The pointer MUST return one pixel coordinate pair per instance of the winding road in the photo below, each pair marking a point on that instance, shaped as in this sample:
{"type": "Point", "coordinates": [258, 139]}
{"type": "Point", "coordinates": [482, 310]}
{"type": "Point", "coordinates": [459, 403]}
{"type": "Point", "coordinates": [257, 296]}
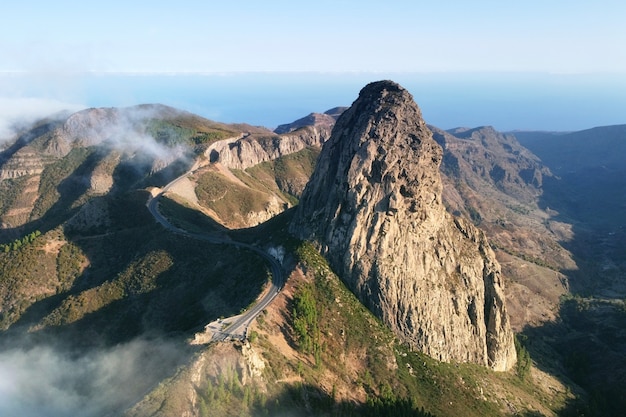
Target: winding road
{"type": "Point", "coordinates": [235, 327]}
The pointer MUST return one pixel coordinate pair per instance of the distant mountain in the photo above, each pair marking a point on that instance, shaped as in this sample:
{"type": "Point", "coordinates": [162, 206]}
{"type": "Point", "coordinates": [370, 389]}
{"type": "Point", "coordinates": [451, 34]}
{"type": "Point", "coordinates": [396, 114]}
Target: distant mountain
{"type": "Point", "coordinates": [572, 151]}
{"type": "Point", "coordinates": [95, 293]}
{"type": "Point", "coordinates": [492, 179]}
{"type": "Point", "coordinates": [588, 192]}
{"type": "Point", "coordinates": [326, 119]}
{"type": "Point", "coordinates": [590, 188]}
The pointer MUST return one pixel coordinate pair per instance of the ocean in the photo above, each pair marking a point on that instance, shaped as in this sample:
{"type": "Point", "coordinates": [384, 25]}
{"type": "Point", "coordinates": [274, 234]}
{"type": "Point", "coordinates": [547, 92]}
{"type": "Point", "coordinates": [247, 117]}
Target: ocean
{"type": "Point", "coordinates": [507, 101]}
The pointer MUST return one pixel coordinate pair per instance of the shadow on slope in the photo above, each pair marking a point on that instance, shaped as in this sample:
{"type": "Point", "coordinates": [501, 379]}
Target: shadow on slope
{"type": "Point", "coordinates": [585, 349]}
{"type": "Point", "coordinates": [125, 319]}
{"type": "Point", "coordinates": [142, 279]}
{"type": "Point", "coordinates": [588, 343]}
{"type": "Point", "coordinates": [299, 400]}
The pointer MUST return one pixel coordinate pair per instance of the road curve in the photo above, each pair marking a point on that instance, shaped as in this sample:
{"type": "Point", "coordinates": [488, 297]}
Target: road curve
{"type": "Point", "coordinates": [234, 327]}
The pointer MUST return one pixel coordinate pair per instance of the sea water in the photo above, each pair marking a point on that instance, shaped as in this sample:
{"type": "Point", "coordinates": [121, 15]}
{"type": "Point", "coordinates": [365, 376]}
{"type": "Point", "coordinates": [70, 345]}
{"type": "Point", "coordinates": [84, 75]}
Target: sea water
{"type": "Point", "coordinates": [507, 101]}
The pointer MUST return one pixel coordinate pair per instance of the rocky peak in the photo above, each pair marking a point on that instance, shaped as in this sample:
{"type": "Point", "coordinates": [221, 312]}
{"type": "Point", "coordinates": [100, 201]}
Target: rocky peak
{"type": "Point", "coordinates": [313, 119]}
{"type": "Point", "coordinates": [374, 207]}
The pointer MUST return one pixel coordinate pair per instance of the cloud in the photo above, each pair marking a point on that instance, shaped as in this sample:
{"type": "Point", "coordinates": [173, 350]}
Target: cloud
{"type": "Point", "coordinates": [44, 381]}
{"type": "Point", "coordinates": [123, 129]}
{"type": "Point", "coordinates": [127, 131]}
{"type": "Point", "coordinates": [17, 113]}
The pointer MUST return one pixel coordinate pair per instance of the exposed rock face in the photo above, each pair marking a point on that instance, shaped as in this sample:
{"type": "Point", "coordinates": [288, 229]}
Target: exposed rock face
{"type": "Point", "coordinates": [490, 177]}
{"type": "Point", "coordinates": [313, 119]}
{"type": "Point", "coordinates": [374, 206]}
{"type": "Point", "coordinates": [249, 151]}
{"type": "Point", "coordinates": [483, 154]}
{"type": "Point", "coordinates": [326, 120]}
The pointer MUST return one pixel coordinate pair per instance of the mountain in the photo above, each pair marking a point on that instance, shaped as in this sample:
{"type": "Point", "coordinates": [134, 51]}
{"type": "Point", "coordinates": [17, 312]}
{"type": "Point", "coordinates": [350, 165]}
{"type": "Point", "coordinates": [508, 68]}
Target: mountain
{"type": "Point", "coordinates": [589, 166]}
{"type": "Point", "coordinates": [95, 152]}
{"type": "Point", "coordinates": [571, 151]}
{"type": "Point", "coordinates": [103, 310]}
{"type": "Point", "coordinates": [492, 179]}
{"type": "Point", "coordinates": [326, 119]}
{"type": "Point", "coordinates": [374, 207]}
{"type": "Point", "coordinates": [588, 193]}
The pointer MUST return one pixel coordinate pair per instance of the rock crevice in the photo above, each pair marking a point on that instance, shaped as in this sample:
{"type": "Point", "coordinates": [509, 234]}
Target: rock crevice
{"type": "Point", "coordinates": [374, 207]}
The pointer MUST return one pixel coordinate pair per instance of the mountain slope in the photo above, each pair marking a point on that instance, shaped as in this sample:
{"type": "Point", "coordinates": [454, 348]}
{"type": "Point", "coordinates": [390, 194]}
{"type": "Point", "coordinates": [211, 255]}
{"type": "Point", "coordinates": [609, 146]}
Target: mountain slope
{"type": "Point", "coordinates": [104, 299]}
{"type": "Point", "coordinates": [374, 206]}
{"type": "Point", "coordinates": [499, 184]}
{"type": "Point", "coordinates": [342, 362]}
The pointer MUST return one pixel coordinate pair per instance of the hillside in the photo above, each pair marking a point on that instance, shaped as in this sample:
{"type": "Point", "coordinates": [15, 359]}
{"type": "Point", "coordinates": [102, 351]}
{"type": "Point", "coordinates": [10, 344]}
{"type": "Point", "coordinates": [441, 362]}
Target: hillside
{"type": "Point", "coordinates": [89, 277]}
{"type": "Point", "coordinates": [317, 350]}
{"type": "Point", "coordinates": [588, 193]}
{"type": "Point", "coordinates": [497, 183]}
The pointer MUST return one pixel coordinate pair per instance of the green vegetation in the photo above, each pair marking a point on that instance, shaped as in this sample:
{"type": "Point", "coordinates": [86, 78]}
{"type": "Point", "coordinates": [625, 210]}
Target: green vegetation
{"type": "Point", "coordinates": [28, 275]}
{"type": "Point", "coordinates": [474, 215]}
{"type": "Point", "coordinates": [524, 363]}
{"type": "Point", "coordinates": [140, 277]}
{"type": "Point", "coordinates": [288, 174]}
{"type": "Point", "coordinates": [228, 396]}
{"type": "Point", "coordinates": [294, 165]}
{"type": "Point", "coordinates": [528, 258]}
{"type": "Point", "coordinates": [396, 381]}
{"type": "Point", "coordinates": [54, 182]}
{"type": "Point", "coordinates": [520, 209]}
{"type": "Point", "coordinates": [339, 340]}
{"type": "Point", "coordinates": [18, 243]}
{"type": "Point", "coordinates": [70, 260]}
{"type": "Point", "coordinates": [172, 133]}
{"type": "Point", "coordinates": [229, 200]}
{"type": "Point", "coordinates": [305, 321]}
{"type": "Point", "coordinates": [170, 284]}
{"type": "Point", "coordinates": [135, 278]}
{"type": "Point", "coordinates": [10, 190]}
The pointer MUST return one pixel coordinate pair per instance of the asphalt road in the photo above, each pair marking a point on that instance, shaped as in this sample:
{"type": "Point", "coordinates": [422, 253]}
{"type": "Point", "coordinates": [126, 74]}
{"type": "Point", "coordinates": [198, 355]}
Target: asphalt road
{"type": "Point", "coordinates": [237, 326]}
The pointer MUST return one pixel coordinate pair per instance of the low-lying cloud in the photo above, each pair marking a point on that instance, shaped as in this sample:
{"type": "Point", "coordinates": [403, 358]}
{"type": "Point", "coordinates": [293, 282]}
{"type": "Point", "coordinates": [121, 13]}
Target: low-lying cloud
{"type": "Point", "coordinates": [125, 130]}
{"type": "Point", "coordinates": [43, 381]}
{"type": "Point", "coordinates": [19, 113]}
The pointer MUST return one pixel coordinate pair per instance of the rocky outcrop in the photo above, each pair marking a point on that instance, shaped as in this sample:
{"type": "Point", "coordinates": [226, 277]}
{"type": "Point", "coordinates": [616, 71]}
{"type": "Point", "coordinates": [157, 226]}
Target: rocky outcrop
{"type": "Point", "coordinates": [252, 150]}
{"type": "Point", "coordinates": [326, 120]}
{"type": "Point", "coordinates": [486, 155]}
{"type": "Point", "coordinates": [23, 162]}
{"type": "Point", "coordinates": [374, 207]}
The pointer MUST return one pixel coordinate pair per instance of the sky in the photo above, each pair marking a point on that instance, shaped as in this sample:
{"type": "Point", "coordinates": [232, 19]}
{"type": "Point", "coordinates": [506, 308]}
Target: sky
{"type": "Point", "coordinates": [552, 41]}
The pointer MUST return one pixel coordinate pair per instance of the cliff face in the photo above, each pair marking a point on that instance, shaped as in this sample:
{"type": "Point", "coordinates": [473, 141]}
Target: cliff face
{"type": "Point", "coordinates": [492, 158]}
{"type": "Point", "coordinates": [374, 206]}
{"type": "Point", "coordinates": [249, 151]}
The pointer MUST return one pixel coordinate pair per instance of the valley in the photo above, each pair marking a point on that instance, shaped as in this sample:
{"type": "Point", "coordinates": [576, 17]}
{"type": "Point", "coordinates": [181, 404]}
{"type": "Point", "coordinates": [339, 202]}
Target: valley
{"type": "Point", "coordinates": [153, 222]}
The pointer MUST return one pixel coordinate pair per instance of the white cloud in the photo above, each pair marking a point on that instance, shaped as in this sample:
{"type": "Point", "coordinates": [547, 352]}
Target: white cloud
{"type": "Point", "coordinates": [43, 381]}
{"type": "Point", "coordinates": [18, 113]}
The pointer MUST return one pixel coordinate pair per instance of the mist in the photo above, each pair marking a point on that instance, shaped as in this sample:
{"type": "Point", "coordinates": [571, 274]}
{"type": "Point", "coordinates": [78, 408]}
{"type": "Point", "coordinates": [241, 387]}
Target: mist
{"type": "Point", "coordinates": [17, 114]}
{"type": "Point", "coordinates": [122, 129]}
{"type": "Point", "coordinates": [44, 381]}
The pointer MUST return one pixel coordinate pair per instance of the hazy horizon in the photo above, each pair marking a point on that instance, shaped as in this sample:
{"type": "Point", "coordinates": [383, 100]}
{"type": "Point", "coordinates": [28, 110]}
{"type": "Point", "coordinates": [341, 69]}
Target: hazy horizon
{"type": "Point", "coordinates": [507, 101]}
{"type": "Point", "coordinates": [536, 65]}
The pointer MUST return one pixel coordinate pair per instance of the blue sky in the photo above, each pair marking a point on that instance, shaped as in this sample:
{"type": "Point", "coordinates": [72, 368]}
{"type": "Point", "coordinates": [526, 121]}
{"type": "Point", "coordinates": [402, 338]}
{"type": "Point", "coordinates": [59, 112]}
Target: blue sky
{"type": "Point", "coordinates": [552, 36]}
{"type": "Point", "coordinates": [547, 64]}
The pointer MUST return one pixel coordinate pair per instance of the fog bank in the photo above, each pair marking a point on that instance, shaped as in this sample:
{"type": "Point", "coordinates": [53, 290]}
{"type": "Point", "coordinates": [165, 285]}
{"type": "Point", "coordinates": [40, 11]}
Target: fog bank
{"type": "Point", "coordinates": [43, 381]}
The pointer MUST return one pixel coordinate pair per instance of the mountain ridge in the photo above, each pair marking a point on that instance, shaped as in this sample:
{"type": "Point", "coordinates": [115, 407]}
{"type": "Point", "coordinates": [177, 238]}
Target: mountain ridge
{"type": "Point", "coordinates": [102, 273]}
